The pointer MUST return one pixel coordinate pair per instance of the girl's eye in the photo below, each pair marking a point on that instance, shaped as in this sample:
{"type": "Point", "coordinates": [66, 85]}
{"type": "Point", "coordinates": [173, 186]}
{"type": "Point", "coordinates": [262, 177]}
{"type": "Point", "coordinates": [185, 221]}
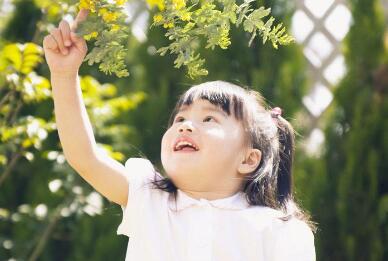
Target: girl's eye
{"type": "Point", "coordinates": [208, 118]}
{"type": "Point", "coordinates": [179, 119]}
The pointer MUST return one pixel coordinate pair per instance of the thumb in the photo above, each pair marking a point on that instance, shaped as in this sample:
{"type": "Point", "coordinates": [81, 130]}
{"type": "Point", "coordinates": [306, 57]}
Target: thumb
{"type": "Point", "coordinates": [79, 42]}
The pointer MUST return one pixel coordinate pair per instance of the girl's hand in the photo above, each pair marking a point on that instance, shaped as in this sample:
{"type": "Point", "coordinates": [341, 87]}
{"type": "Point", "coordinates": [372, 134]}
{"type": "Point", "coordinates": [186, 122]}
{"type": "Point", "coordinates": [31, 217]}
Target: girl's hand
{"type": "Point", "coordinates": [63, 49]}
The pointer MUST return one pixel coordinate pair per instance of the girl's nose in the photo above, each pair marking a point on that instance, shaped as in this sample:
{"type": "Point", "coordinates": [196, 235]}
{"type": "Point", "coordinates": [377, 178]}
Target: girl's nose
{"type": "Point", "coordinates": [186, 126]}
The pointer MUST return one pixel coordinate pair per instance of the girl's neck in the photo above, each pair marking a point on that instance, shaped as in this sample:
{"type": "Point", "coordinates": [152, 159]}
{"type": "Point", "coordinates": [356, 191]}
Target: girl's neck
{"type": "Point", "coordinates": [209, 195]}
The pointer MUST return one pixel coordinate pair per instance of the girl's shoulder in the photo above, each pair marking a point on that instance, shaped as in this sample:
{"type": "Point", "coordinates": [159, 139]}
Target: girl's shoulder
{"type": "Point", "coordinates": [275, 221]}
{"type": "Point", "coordinates": [140, 163]}
{"type": "Point", "coordinates": [294, 227]}
{"type": "Point", "coordinates": [285, 239]}
{"type": "Point", "coordinates": [261, 218]}
{"type": "Point", "coordinates": [263, 212]}
{"type": "Point", "coordinates": [292, 239]}
{"type": "Point", "coordinates": [140, 171]}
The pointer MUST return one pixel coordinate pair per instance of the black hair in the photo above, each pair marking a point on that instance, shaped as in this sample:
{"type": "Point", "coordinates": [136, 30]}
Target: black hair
{"type": "Point", "coordinates": [271, 183]}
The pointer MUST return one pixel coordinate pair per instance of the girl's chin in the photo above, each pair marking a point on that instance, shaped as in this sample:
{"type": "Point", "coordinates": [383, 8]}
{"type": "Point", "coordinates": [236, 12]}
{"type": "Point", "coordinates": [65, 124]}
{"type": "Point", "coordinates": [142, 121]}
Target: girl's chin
{"type": "Point", "coordinates": [179, 168]}
{"type": "Point", "coordinates": [185, 158]}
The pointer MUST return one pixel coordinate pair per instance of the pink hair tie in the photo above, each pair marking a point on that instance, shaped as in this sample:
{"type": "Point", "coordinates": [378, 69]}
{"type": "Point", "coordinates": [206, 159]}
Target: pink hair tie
{"type": "Point", "coordinates": [276, 112]}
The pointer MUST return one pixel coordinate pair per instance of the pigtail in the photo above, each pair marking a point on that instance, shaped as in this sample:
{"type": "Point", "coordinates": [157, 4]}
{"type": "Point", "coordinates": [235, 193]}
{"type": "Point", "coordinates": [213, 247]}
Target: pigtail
{"type": "Point", "coordinates": [286, 137]}
{"type": "Point", "coordinates": [286, 201]}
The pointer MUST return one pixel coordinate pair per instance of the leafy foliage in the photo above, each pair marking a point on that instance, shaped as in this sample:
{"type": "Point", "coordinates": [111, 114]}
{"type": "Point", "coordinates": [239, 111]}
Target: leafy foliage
{"type": "Point", "coordinates": [107, 25]}
{"type": "Point", "coordinates": [188, 24]}
{"type": "Point", "coordinates": [24, 136]}
{"type": "Point", "coordinates": [211, 21]}
{"type": "Point", "coordinates": [22, 86]}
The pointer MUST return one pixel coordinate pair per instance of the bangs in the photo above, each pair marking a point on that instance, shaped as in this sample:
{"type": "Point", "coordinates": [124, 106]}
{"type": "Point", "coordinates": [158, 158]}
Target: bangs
{"type": "Point", "coordinates": [226, 96]}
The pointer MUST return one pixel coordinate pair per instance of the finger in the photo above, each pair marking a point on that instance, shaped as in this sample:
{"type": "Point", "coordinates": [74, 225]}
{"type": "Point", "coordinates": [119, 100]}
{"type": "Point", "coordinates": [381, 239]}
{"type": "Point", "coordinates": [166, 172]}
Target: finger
{"type": "Point", "coordinates": [56, 33]}
{"type": "Point", "coordinates": [50, 43]}
{"type": "Point", "coordinates": [81, 16]}
{"type": "Point", "coordinates": [65, 31]}
{"type": "Point", "coordinates": [79, 42]}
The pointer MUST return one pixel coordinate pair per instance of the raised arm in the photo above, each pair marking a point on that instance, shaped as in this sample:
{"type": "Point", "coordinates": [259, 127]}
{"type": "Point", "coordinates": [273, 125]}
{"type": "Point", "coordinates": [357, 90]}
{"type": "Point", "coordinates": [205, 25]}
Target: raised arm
{"type": "Point", "coordinates": [64, 52]}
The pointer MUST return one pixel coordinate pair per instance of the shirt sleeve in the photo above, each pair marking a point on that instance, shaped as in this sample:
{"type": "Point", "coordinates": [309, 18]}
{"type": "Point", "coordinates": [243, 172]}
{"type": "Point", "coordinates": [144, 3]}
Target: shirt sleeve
{"type": "Point", "coordinates": [140, 172]}
{"type": "Point", "coordinates": [293, 240]}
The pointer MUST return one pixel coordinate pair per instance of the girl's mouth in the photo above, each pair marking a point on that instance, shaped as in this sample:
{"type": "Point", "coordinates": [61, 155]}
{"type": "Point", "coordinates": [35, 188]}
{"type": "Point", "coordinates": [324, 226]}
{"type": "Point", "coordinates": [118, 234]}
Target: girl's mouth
{"type": "Point", "coordinates": [185, 145]}
{"type": "Point", "coordinates": [186, 149]}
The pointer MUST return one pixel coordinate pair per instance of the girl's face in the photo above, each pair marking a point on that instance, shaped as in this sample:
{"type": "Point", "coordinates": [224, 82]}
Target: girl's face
{"type": "Point", "coordinates": [203, 148]}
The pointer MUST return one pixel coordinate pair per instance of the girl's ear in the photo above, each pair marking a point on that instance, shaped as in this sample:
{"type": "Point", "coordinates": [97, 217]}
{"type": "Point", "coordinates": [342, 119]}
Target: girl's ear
{"type": "Point", "coordinates": [250, 162]}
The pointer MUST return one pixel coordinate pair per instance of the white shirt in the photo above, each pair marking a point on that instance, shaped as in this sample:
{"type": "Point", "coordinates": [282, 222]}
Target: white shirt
{"type": "Point", "coordinates": [225, 229]}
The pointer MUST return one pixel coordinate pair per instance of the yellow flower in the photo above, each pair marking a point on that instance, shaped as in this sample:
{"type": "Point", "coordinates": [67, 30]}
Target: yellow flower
{"type": "Point", "coordinates": [115, 27]}
{"type": "Point", "coordinates": [178, 4]}
{"type": "Point", "coordinates": [120, 2]}
{"type": "Point", "coordinates": [158, 3]}
{"type": "Point", "coordinates": [225, 40]}
{"type": "Point", "coordinates": [186, 16]}
{"type": "Point", "coordinates": [102, 11]}
{"type": "Point", "coordinates": [88, 4]}
{"type": "Point", "coordinates": [168, 25]}
{"type": "Point", "coordinates": [158, 18]}
{"type": "Point", "coordinates": [107, 16]}
{"type": "Point", "coordinates": [90, 36]}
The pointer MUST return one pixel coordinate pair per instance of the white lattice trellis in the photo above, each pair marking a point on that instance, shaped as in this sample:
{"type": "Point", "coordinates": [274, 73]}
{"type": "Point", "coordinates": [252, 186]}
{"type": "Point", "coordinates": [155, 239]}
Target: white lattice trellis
{"type": "Point", "coordinates": [320, 26]}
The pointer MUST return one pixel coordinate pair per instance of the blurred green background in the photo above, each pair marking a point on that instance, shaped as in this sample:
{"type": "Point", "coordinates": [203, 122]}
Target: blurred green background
{"type": "Point", "coordinates": [47, 212]}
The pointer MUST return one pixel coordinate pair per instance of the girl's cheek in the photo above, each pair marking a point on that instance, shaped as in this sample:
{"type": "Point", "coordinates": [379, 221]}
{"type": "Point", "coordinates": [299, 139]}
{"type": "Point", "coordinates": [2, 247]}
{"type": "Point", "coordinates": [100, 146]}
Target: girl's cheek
{"type": "Point", "coordinates": [167, 138]}
{"type": "Point", "coordinates": [216, 133]}
{"type": "Point", "coordinates": [164, 140]}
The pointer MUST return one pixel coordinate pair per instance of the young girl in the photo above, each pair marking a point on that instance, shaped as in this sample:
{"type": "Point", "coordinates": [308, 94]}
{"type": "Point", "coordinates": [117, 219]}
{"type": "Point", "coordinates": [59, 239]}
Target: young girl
{"type": "Point", "coordinates": [227, 194]}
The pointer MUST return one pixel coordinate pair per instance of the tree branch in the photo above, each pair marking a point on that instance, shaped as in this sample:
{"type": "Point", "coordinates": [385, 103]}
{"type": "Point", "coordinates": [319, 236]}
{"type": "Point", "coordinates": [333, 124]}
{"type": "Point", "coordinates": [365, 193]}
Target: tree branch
{"type": "Point", "coordinates": [9, 168]}
{"type": "Point", "coordinates": [49, 230]}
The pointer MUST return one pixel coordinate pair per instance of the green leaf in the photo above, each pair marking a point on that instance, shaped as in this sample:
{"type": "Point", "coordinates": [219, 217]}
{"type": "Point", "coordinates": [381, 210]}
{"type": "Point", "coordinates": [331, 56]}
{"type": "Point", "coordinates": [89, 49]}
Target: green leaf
{"type": "Point", "coordinates": [249, 26]}
{"type": "Point", "coordinates": [258, 14]}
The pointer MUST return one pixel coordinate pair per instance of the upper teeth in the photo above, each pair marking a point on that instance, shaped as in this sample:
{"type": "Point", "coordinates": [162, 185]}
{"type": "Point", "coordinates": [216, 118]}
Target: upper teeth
{"type": "Point", "coordinates": [183, 143]}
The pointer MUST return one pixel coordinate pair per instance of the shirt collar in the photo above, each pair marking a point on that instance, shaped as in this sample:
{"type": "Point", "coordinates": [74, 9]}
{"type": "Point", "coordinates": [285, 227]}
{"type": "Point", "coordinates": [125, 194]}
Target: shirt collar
{"type": "Point", "coordinates": [234, 202]}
